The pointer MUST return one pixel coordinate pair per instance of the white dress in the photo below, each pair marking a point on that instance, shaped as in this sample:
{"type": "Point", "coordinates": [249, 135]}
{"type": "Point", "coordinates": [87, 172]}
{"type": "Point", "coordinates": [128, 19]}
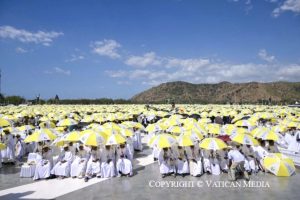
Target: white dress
{"type": "Point", "coordinates": [137, 141]}
{"type": "Point", "coordinates": [63, 168]}
{"type": "Point", "coordinates": [93, 166]}
{"type": "Point", "coordinates": [195, 162]}
{"type": "Point", "coordinates": [124, 165]}
{"type": "Point", "coordinates": [107, 163]}
{"type": "Point", "coordinates": [8, 154]}
{"type": "Point", "coordinates": [78, 166]}
{"type": "Point", "coordinates": [182, 163]}
{"type": "Point", "coordinates": [165, 164]}
{"type": "Point", "coordinates": [206, 161]}
{"type": "Point", "coordinates": [43, 166]}
{"type": "Point", "coordinates": [19, 150]}
{"type": "Point", "coordinates": [215, 167]}
{"type": "Point", "coordinates": [294, 144]}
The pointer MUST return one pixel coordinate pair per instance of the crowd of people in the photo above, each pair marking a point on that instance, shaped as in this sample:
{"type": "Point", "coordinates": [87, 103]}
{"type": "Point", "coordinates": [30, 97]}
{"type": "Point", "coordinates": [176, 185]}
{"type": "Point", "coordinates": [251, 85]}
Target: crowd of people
{"type": "Point", "coordinates": [47, 158]}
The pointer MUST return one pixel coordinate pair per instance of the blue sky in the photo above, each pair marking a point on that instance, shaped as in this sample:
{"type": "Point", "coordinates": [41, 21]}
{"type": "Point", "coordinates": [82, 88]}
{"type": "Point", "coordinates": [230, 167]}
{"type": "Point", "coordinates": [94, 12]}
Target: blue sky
{"type": "Point", "coordinates": [115, 49]}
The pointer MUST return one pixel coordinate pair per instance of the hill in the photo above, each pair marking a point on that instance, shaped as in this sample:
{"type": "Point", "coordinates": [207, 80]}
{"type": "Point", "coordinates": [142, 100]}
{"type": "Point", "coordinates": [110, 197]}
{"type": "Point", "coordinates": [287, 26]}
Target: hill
{"type": "Point", "coordinates": [223, 92]}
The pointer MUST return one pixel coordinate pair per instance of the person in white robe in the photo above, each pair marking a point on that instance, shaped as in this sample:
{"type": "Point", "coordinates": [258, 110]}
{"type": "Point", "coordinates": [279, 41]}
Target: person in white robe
{"type": "Point", "coordinates": [251, 164]}
{"type": "Point", "coordinates": [93, 165]}
{"type": "Point", "coordinates": [166, 162]}
{"type": "Point", "coordinates": [206, 161]}
{"type": "Point", "coordinates": [182, 164]}
{"type": "Point", "coordinates": [215, 163]}
{"type": "Point", "coordinates": [295, 141]}
{"type": "Point", "coordinates": [19, 149]}
{"type": "Point", "coordinates": [129, 144]}
{"type": "Point", "coordinates": [78, 166]}
{"type": "Point", "coordinates": [108, 160]}
{"type": "Point", "coordinates": [8, 154]}
{"type": "Point", "coordinates": [195, 160]}
{"type": "Point", "coordinates": [124, 165]}
{"type": "Point", "coordinates": [44, 164]}
{"type": "Point", "coordinates": [137, 140]}
{"type": "Point", "coordinates": [63, 167]}
{"type": "Point", "coordinates": [155, 152]}
{"type": "Point", "coordinates": [39, 147]}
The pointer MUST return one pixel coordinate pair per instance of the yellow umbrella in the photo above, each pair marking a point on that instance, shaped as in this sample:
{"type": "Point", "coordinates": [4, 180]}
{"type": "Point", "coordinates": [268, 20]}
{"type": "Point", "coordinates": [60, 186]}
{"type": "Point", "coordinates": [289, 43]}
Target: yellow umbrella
{"type": "Point", "coordinates": [47, 124]}
{"type": "Point", "coordinates": [162, 140]}
{"type": "Point", "coordinates": [40, 135]}
{"type": "Point", "coordinates": [92, 139]}
{"type": "Point", "coordinates": [154, 127]}
{"type": "Point", "coordinates": [25, 128]}
{"type": "Point", "coordinates": [176, 129]}
{"type": "Point", "coordinates": [126, 132]}
{"type": "Point", "coordinates": [2, 146]}
{"type": "Point", "coordinates": [185, 140]}
{"type": "Point", "coordinates": [4, 122]}
{"type": "Point", "coordinates": [115, 139]}
{"type": "Point", "coordinates": [67, 122]}
{"type": "Point", "coordinates": [131, 124]}
{"type": "Point", "coordinates": [244, 139]}
{"type": "Point", "coordinates": [73, 136]}
{"type": "Point", "coordinates": [267, 135]}
{"type": "Point", "coordinates": [279, 164]}
{"type": "Point", "coordinates": [194, 134]}
{"type": "Point", "coordinates": [213, 129]}
{"type": "Point", "coordinates": [245, 123]}
{"type": "Point", "coordinates": [213, 144]}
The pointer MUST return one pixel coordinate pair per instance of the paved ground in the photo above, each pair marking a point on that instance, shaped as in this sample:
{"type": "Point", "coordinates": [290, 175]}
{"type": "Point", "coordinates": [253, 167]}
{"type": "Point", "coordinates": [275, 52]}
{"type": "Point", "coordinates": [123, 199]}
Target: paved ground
{"type": "Point", "coordinates": [140, 186]}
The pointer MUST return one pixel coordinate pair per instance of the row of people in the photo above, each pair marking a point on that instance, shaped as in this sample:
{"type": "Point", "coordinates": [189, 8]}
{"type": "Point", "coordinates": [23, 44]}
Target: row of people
{"type": "Point", "coordinates": [192, 160]}
{"type": "Point", "coordinates": [87, 162]}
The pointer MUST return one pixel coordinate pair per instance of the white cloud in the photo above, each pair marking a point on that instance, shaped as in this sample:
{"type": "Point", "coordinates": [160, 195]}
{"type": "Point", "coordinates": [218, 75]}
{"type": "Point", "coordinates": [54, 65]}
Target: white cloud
{"type": "Point", "coordinates": [289, 73]}
{"type": "Point", "coordinates": [75, 58]}
{"type": "Point", "coordinates": [58, 70]}
{"type": "Point", "coordinates": [287, 5]}
{"type": "Point", "coordinates": [39, 37]}
{"type": "Point", "coordinates": [264, 56]}
{"type": "Point", "coordinates": [116, 74]}
{"type": "Point", "coordinates": [106, 48]}
{"type": "Point", "coordinates": [147, 59]}
{"type": "Point", "coordinates": [21, 50]}
{"type": "Point", "coordinates": [123, 82]}
{"type": "Point", "coordinates": [188, 64]}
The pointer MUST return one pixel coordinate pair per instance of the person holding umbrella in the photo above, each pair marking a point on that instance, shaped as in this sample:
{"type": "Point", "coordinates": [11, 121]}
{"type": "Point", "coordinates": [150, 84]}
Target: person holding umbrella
{"type": "Point", "coordinates": [236, 161]}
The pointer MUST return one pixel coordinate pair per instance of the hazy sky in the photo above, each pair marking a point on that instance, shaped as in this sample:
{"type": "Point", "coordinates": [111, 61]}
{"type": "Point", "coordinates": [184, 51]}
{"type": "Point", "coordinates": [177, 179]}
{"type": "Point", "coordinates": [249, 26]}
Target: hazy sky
{"type": "Point", "coordinates": [94, 49]}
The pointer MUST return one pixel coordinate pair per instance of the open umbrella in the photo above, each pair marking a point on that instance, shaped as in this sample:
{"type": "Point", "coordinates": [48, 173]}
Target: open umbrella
{"type": "Point", "coordinates": [279, 164]}
{"type": "Point", "coordinates": [92, 139]}
{"type": "Point", "coordinates": [115, 139]}
{"type": "Point", "coordinates": [40, 135]}
{"type": "Point", "coordinates": [185, 140]}
{"type": "Point", "coordinates": [244, 139]}
{"type": "Point", "coordinates": [212, 144]}
{"type": "Point", "coordinates": [163, 140]}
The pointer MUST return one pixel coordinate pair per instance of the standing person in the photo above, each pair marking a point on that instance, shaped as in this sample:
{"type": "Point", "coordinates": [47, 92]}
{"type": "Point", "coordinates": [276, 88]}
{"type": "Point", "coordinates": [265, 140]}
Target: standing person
{"type": "Point", "coordinates": [93, 165]}
{"type": "Point", "coordinates": [107, 158]}
{"type": "Point", "coordinates": [164, 161]}
{"type": "Point", "coordinates": [19, 148]}
{"type": "Point", "coordinates": [195, 162]}
{"type": "Point", "coordinates": [137, 140]}
{"type": "Point", "coordinates": [182, 163]}
{"type": "Point", "coordinates": [236, 161]}
{"type": "Point", "coordinates": [206, 161]}
{"type": "Point", "coordinates": [78, 166]}
{"type": "Point", "coordinates": [215, 163]}
{"type": "Point", "coordinates": [63, 167]}
{"type": "Point", "coordinates": [124, 165]}
{"type": "Point", "coordinates": [8, 154]}
{"type": "Point", "coordinates": [44, 164]}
